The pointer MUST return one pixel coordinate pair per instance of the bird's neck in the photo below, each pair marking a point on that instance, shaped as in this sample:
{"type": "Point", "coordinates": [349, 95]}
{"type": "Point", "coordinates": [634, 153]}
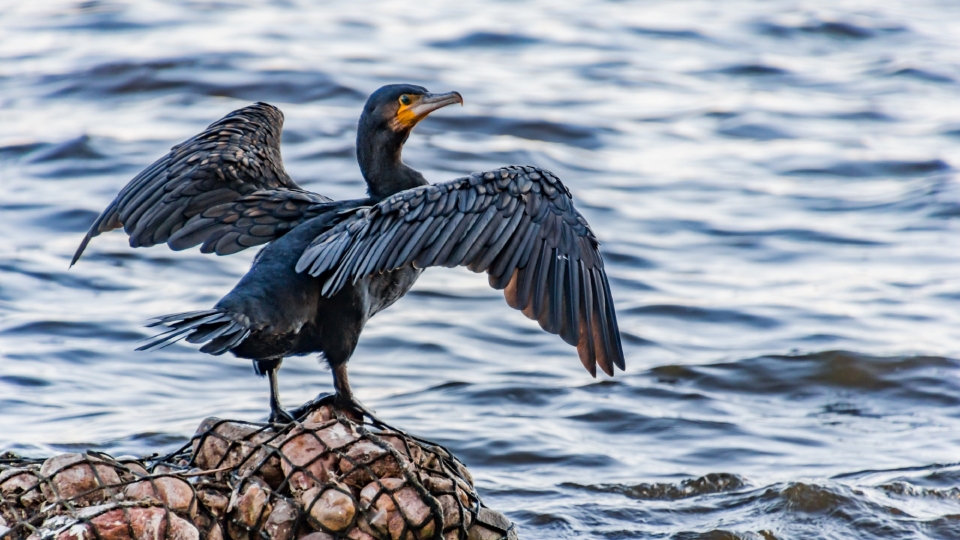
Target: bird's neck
{"type": "Point", "coordinates": [385, 173]}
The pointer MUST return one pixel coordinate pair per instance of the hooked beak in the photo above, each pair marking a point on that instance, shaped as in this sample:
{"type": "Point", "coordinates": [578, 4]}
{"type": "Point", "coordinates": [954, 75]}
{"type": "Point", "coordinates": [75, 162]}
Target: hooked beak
{"type": "Point", "coordinates": [431, 102]}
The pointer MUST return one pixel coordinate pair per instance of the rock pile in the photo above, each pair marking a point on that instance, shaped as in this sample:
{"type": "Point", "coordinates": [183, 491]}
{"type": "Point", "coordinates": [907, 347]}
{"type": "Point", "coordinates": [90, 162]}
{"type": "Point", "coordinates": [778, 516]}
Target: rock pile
{"type": "Point", "coordinates": [327, 477]}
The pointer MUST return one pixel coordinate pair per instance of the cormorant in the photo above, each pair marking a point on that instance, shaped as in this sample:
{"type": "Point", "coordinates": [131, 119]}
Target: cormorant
{"type": "Point", "coordinates": [331, 265]}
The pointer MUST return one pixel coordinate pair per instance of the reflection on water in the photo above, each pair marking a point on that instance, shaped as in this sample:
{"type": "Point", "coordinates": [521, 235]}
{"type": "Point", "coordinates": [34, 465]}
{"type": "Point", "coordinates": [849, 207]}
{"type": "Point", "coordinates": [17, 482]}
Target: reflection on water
{"type": "Point", "coordinates": [773, 183]}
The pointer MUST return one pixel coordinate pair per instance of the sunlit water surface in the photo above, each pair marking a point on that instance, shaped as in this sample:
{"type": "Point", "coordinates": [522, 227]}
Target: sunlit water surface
{"type": "Point", "coordinates": [774, 185]}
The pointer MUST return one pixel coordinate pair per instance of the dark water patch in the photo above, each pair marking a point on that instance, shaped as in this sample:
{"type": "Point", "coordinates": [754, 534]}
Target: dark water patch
{"type": "Point", "coordinates": [866, 116]}
{"type": "Point", "coordinates": [911, 377]}
{"type": "Point", "coordinates": [946, 210]}
{"type": "Point", "coordinates": [632, 284]}
{"type": "Point", "coordinates": [450, 385]}
{"type": "Point", "coordinates": [537, 130]}
{"type": "Point", "coordinates": [461, 162]}
{"type": "Point", "coordinates": [846, 409]}
{"type": "Point", "coordinates": [628, 260]}
{"type": "Point", "coordinates": [822, 338]}
{"type": "Point", "coordinates": [288, 86]}
{"type": "Point", "coordinates": [103, 22]}
{"type": "Point", "coordinates": [68, 355]}
{"type": "Point", "coordinates": [71, 328]}
{"type": "Point", "coordinates": [757, 132]}
{"type": "Point", "coordinates": [613, 421]}
{"type": "Point", "coordinates": [197, 76]}
{"type": "Point", "coordinates": [80, 148]}
{"type": "Point", "coordinates": [722, 115]}
{"type": "Point", "coordinates": [122, 77]}
{"type": "Point", "coordinates": [946, 527]}
{"type": "Point", "coordinates": [295, 136]}
{"type": "Point", "coordinates": [664, 33]}
{"type": "Point", "coordinates": [81, 170]}
{"type": "Point", "coordinates": [831, 29]}
{"type": "Point", "coordinates": [694, 487]}
{"type": "Point", "coordinates": [743, 237]}
{"type": "Point", "coordinates": [155, 439]}
{"type": "Point", "coordinates": [637, 341]}
{"type": "Point", "coordinates": [64, 278]}
{"type": "Point", "coordinates": [14, 151]}
{"type": "Point", "coordinates": [753, 70]}
{"type": "Point", "coordinates": [520, 342]}
{"type": "Point", "coordinates": [17, 207]}
{"type": "Point", "coordinates": [345, 152]}
{"type": "Point", "coordinates": [722, 534]}
{"type": "Point", "coordinates": [706, 315]}
{"type": "Point", "coordinates": [74, 220]}
{"type": "Point", "coordinates": [870, 169]}
{"type": "Point", "coordinates": [734, 454]}
{"type": "Point", "coordinates": [392, 343]}
{"type": "Point", "coordinates": [507, 455]}
{"type": "Point", "coordinates": [950, 130]}
{"type": "Point", "coordinates": [444, 295]}
{"type": "Point", "coordinates": [922, 75]}
{"type": "Point", "coordinates": [357, 23]}
{"type": "Point", "coordinates": [521, 395]}
{"type": "Point", "coordinates": [552, 525]}
{"type": "Point", "coordinates": [25, 381]}
{"type": "Point", "coordinates": [802, 235]}
{"type": "Point", "coordinates": [908, 316]}
{"type": "Point", "coordinates": [485, 39]}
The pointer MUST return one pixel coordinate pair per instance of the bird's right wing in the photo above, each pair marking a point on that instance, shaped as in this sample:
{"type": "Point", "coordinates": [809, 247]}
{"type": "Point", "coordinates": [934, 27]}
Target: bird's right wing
{"type": "Point", "coordinates": [517, 224]}
{"type": "Point", "coordinates": [226, 188]}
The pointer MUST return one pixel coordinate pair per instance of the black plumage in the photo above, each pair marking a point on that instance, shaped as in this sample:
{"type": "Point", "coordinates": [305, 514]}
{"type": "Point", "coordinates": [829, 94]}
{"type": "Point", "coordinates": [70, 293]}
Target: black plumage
{"type": "Point", "coordinates": [331, 265]}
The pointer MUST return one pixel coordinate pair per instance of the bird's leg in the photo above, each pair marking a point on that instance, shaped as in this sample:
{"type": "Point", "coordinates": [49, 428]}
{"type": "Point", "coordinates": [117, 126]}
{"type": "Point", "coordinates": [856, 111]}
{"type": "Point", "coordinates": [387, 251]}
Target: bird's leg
{"type": "Point", "coordinates": [344, 398]}
{"type": "Point", "coordinates": [269, 368]}
{"type": "Point", "coordinates": [341, 383]}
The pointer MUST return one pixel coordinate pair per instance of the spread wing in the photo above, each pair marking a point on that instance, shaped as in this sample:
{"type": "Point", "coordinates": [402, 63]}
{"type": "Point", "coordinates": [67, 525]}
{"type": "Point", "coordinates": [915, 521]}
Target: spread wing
{"type": "Point", "coordinates": [225, 188]}
{"type": "Point", "coordinates": [517, 224]}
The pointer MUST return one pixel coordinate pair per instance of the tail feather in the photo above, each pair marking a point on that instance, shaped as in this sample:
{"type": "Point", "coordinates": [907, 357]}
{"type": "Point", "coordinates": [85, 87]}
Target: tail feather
{"type": "Point", "coordinates": [186, 315]}
{"type": "Point", "coordinates": [216, 327]}
{"type": "Point", "coordinates": [212, 332]}
{"type": "Point", "coordinates": [226, 342]}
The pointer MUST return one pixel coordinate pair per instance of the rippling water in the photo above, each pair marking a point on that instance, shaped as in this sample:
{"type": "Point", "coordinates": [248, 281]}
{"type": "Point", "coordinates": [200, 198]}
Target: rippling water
{"type": "Point", "coordinates": [774, 185]}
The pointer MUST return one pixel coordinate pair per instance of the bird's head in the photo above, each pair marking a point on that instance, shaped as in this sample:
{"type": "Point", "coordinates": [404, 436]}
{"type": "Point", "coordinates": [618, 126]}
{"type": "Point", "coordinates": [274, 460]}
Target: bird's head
{"type": "Point", "coordinates": [386, 122]}
{"type": "Point", "coordinates": [398, 107]}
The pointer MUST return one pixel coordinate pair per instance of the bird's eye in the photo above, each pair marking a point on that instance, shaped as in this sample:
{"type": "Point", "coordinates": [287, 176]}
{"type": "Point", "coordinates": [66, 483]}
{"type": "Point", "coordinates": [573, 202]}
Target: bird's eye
{"type": "Point", "coordinates": [405, 99]}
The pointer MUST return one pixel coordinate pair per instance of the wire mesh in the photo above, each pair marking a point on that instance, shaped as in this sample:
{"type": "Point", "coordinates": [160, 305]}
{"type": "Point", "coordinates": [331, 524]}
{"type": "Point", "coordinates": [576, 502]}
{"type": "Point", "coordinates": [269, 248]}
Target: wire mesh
{"type": "Point", "coordinates": [324, 478]}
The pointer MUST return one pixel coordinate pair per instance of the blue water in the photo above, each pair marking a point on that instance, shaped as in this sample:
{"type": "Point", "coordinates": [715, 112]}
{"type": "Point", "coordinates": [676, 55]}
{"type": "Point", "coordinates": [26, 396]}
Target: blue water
{"type": "Point", "coordinates": [774, 184]}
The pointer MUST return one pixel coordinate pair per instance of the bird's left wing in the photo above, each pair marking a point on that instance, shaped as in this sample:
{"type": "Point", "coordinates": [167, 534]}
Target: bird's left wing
{"type": "Point", "coordinates": [225, 188]}
{"type": "Point", "coordinates": [517, 224]}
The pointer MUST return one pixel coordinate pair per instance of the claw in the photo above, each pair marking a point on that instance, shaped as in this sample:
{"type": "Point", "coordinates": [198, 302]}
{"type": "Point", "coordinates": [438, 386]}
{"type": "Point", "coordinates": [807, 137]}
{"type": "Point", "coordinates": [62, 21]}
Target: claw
{"type": "Point", "coordinates": [322, 399]}
{"type": "Point", "coordinates": [344, 404]}
{"type": "Point", "coordinates": [280, 416]}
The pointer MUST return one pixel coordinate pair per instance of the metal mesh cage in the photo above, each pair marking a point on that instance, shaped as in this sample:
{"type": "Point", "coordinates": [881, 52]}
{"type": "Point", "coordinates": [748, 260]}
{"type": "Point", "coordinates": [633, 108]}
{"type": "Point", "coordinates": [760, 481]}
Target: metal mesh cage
{"type": "Point", "coordinates": [326, 477]}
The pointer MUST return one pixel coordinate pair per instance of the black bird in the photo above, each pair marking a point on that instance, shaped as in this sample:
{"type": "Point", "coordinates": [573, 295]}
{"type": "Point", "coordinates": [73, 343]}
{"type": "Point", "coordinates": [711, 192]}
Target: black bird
{"type": "Point", "coordinates": [331, 265]}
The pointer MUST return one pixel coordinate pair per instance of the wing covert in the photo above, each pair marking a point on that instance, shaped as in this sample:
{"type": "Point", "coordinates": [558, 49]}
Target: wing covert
{"type": "Point", "coordinates": [517, 224]}
{"type": "Point", "coordinates": [225, 188]}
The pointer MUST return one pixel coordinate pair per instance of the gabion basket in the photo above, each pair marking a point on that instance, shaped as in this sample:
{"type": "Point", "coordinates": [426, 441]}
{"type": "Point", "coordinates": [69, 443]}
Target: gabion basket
{"type": "Point", "coordinates": [324, 478]}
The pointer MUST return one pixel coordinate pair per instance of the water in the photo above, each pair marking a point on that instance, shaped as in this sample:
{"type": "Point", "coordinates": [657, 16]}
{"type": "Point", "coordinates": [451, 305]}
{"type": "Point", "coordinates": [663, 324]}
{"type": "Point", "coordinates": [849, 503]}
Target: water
{"type": "Point", "coordinates": [774, 185]}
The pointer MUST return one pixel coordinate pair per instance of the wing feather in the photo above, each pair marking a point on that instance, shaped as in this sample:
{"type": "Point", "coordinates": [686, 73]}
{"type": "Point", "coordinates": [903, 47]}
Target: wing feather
{"type": "Point", "coordinates": [516, 223]}
{"type": "Point", "coordinates": [195, 194]}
